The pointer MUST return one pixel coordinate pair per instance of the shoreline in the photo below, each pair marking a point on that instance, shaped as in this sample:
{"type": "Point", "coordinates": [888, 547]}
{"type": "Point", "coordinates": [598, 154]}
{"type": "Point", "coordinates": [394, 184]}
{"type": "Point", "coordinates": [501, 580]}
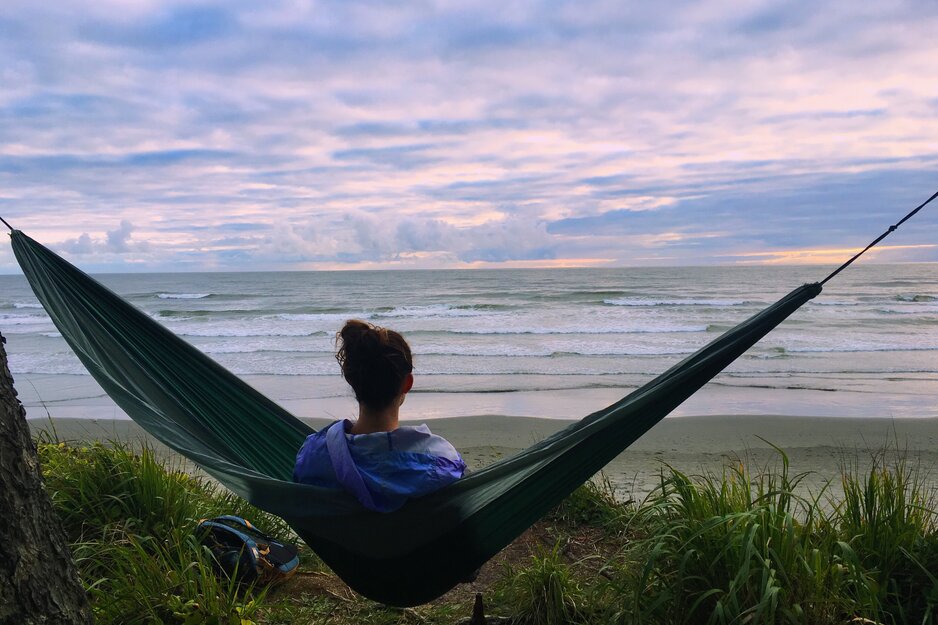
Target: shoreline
{"type": "Point", "coordinates": [328, 397]}
{"type": "Point", "coordinates": [817, 446]}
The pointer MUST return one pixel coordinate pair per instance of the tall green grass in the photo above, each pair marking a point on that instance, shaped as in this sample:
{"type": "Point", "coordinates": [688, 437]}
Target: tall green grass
{"type": "Point", "coordinates": [755, 546]}
{"type": "Point", "coordinates": [739, 546]}
{"type": "Point", "coordinates": [134, 579]}
{"type": "Point", "coordinates": [545, 592]}
{"type": "Point", "coordinates": [888, 520]}
{"type": "Point", "coordinates": [733, 548]}
{"type": "Point", "coordinates": [99, 488]}
{"type": "Point", "coordinates": [594, 504]}
{"type": "Point", "coordinates": [131, 520]}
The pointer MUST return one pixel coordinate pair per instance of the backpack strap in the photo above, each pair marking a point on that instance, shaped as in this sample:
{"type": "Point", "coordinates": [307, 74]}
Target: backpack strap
{"type": "Point", "coordinates": [345, 470]}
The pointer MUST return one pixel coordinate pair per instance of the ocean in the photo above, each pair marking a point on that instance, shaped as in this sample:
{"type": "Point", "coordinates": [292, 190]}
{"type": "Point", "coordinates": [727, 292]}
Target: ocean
{"type": "Point", "coordinates": [541, 342]}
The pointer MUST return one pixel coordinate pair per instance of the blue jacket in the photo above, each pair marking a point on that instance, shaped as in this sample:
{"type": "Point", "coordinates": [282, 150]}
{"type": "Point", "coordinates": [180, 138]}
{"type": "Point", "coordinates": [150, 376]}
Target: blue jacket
{"type": "Point", "coordinates": [384, 469]}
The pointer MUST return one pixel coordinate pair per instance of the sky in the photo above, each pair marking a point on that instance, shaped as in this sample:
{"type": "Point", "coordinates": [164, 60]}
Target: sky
{"type": "Point", "coordinates": [158, 135]}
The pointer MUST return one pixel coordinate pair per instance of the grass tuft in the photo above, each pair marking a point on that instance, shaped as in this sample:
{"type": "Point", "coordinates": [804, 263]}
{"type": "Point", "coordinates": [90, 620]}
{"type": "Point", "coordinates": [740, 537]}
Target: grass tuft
{"type": "Point", "coordinates": [753, 547]}
{"type": "Point", "coordinates": [887, 521]}
{"type": "Point", "coordinates": [546, 592]}
{"type": "Point", "coordinates": [731, 548]}
{"type": "Point", "coordinates": [131, 520]}
{"type": "Point", "coordinates": [143, 579]}
{"type": "Point", "coordinates": [593, 504]}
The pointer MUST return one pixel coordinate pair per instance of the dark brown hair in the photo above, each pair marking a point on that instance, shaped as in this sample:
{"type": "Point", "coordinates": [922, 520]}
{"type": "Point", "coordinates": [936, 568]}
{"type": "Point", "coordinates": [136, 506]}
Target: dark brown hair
{"type": "Point", "coordinates": [374, 362]}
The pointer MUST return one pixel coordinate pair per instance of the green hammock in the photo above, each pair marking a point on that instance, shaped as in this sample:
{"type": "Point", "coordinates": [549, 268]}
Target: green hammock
{"type": "Point", "coordinates": [249, 443]}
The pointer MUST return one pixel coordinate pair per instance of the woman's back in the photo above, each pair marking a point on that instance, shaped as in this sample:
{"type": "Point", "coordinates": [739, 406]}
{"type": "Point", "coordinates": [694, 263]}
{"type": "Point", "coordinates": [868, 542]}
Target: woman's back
{"type": "Point", "coordinates": [393, 466]}
{"type": "Point", "coordinates": [379, 462]}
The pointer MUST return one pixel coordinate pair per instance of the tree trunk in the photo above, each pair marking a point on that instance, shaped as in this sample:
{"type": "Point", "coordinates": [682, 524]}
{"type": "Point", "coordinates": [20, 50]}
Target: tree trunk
{"type": "Point", "coordinates": [38, 581]}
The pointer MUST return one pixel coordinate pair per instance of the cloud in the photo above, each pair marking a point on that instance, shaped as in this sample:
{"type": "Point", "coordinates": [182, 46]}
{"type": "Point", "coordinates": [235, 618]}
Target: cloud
{"type": "Point", "coordinates": [80, 246]}
{"type": "Point", "coordinates": [776, 214]}
{"type": "Point", "coordinates": [176, 27]}
{"type": "Point", "coordinates": [236, 134]}
{"type": "Point", "coordinates": [396, 156]}
{"type": "Point", "coordinates": [117, 241]}
{"type": "Point", "coordinates": [364, 238]}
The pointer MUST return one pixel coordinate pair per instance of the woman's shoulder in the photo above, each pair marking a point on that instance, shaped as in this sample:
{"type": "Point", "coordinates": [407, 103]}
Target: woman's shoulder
{"type": "Point", "coordinates": [409, 438]}
{"type": "Point", "coordinates": [419, 439]}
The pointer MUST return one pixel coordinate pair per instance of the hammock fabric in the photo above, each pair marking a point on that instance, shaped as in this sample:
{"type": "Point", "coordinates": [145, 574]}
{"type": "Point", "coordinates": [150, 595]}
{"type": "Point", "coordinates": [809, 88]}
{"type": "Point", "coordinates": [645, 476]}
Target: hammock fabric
{"type": "Point", "coordinates": [246, 441]}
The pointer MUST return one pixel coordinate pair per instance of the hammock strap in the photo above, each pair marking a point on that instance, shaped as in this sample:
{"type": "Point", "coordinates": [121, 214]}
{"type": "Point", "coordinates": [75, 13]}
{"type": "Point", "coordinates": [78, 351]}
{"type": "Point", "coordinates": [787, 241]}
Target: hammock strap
{"type": "Point", "coordinates": [6, 224]}
{"type": "Point", "coordinates": [880, 238]}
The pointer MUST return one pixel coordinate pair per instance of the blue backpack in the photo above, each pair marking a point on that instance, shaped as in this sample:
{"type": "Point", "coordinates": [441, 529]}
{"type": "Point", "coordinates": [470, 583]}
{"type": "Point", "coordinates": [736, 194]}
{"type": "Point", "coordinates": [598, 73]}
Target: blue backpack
{"type": "Point", "coordinates": [245, 553]}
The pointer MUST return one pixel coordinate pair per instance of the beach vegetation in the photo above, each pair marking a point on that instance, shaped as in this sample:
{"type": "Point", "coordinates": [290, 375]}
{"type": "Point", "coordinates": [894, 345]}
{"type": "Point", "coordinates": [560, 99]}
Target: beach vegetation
{"type": "Point", "coordinates": [734, 547]}
{"type": "Point", "coordinates": [595, 504]}
{"type": "Point", "coordinates": [745, 546]}
{"type": "Point", "coordinates": [168, 579]}
{"type": "Point", "coordinates": [748, 544]}
{"type": "Point", "coordinates": [888, 519]}
{"type": "Point", "coordinates": [99, 489]}
{"type": "Point", "coordinates": [130, 518]}
{"type": "Point", "coordinates": [545, 591]}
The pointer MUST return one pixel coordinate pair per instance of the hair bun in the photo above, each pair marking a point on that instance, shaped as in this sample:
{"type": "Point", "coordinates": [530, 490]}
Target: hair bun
{"type": "Point", "coordinates": [355, 330]}
{"type": "Point", "coordinates": [360, 337]}
{"type": "Point", "coordinates": [374, 361]}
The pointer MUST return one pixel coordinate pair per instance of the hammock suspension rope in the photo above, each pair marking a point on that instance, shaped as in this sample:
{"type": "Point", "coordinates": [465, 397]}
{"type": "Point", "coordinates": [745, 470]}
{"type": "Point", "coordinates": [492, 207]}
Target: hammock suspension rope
{"type": "Point", "coordinates": [889, 231]}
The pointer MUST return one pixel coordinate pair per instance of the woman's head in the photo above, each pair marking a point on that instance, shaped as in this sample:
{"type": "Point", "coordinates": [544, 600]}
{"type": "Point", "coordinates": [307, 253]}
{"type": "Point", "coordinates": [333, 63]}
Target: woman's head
{"type": "Point", "coordinates": [375, 362]}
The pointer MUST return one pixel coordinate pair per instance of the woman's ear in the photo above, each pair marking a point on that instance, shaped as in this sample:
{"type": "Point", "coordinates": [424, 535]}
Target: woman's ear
{"type": "Point", "coordinates": [408, 384]}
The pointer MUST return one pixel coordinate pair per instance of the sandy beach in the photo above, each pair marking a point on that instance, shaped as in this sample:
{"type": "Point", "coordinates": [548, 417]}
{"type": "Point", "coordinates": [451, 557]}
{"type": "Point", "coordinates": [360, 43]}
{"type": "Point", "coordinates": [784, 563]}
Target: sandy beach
{"type": "Point", "coordinates": [815, 445]}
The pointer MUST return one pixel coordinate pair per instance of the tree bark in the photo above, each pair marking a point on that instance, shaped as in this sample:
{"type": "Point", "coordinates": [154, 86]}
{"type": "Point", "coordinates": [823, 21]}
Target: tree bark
{"type": "Point", "coordinates": [38, 580]}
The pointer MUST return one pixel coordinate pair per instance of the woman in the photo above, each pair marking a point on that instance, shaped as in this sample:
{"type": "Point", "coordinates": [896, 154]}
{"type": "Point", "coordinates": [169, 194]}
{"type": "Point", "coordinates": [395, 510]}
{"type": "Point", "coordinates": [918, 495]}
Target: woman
{"type": "Point", "coordinates": [378, 461]}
